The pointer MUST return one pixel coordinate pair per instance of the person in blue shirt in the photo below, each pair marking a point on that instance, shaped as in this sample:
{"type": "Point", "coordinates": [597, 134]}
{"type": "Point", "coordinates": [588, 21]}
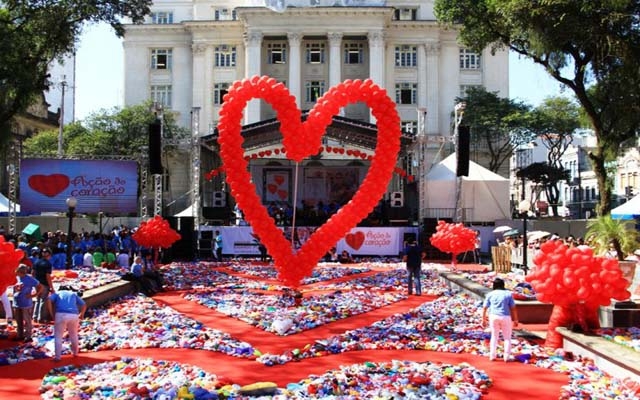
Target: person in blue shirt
{"type": "Point", "coordinates": [77, 258]}
{"type": "Point", "coordinates": [413, 256]}
{"type": "Point", "coordinates": [217, 246]}
{"type": "Point", "coordinates": [502, 314]}
{"type": "Point", "coordinates": [24, 291]}
{"type": "Point", "coordinates": [68, 309]}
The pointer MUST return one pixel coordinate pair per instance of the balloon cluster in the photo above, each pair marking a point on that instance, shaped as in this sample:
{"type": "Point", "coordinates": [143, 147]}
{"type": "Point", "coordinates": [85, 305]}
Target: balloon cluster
{"type": "Point", "coordinates": [155, 232]}
{"type": "Point", "coordinates": [300, 140]}
{"type": "Point", "coordinates": [565, 276]}
{"type": "Point", "coordinates": [454, 238]}
{"type": "Point", "coordinates": [9, 260]}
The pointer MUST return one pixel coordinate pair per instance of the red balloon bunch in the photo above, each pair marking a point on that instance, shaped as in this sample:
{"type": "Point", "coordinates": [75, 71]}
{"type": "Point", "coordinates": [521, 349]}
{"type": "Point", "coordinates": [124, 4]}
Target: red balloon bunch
{"type": "Point", "coordinates": [300, 140]}
{"type": "Point", "coordinates": [565, 276]}
{"type": "Point", "coordinates": [576, 283]}
{"type": "Point", "coordinates": [155, 232]}
{"type": "Point", "coordinates": [9, 260]}
{"type": "Point", "coordinates": [454, 238]}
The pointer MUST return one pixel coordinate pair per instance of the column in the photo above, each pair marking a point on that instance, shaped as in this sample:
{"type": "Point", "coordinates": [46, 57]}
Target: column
{"type": "Point", "coordinates": [199, 71]}
{"type": "Point", "coordinates": [253, 61]}
{"type": "Point", "coordinates": [376, 57]}
{"type": "Point", "coordinates": [433, 87]}
{"type": "Point", "coordinates": [335, 63]}
{"type": "Point", "coordinates": [295, 39]}
{"type": "Point", "coordinates": [422, 76]}
{"type": "Point", "coordinates": [207, 102]}
{"type": "Point", "coordinates": [376, 61]}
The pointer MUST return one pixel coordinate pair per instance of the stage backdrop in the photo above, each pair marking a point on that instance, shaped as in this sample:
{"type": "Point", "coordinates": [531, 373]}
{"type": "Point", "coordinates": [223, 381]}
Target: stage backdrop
{"type": "Point", "coordinates": [239, 240]}
{"type": "Point", "coordinates": [107, 186]}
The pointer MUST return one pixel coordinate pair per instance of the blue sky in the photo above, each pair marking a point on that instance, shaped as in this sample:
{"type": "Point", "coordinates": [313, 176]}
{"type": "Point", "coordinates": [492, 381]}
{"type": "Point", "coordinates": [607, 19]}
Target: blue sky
{"type": "Point", "coordinates": [100, 64]}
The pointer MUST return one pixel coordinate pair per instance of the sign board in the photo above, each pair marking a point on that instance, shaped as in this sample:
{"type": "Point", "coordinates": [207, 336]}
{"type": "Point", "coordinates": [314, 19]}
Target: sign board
{"type": "Point", "coordinates": [98, 185]}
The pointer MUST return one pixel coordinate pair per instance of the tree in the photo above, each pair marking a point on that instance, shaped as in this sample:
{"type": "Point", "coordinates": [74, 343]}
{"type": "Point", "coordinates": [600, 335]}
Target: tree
{"type": "Point", "coordinates": [592, 47]}
{"type": "Point", "coordinates": [497, 124]}
{"type": "Point", "coordinates": [35, 33]}
{"type": "Point", "coordinates": [548, 176]}
{"type": "Point", "coordinates": [554, 122]}
{"type": "Point", "coordinates": [116, 132]}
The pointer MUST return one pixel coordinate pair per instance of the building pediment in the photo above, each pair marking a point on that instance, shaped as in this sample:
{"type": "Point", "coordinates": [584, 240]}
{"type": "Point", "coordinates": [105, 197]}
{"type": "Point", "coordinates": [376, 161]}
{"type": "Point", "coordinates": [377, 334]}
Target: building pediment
{"type": "Point", "coordinates": [345, 130]}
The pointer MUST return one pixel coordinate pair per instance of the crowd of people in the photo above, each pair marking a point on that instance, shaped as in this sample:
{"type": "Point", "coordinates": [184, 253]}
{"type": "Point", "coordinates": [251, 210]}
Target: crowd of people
{"type": "Point", "coordinates": [34, 299]}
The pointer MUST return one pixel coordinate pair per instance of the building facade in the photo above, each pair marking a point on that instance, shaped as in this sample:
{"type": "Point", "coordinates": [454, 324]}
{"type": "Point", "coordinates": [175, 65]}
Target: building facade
{"type": "Point", "coordinates": [188, 53]}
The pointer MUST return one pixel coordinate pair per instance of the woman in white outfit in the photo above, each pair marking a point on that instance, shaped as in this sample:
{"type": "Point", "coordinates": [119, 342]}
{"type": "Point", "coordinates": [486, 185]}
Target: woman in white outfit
{"type": "Point", "coordinates": [501, 308]}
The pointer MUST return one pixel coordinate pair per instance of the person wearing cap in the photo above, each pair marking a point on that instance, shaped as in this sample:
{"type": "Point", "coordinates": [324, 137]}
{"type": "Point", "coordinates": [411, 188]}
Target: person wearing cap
{"type": "Point", "coordinates": [42, 271]}
{"type": "Point", "coordinates": [24, 291]}
{"type": "Point", "coordinates": [502, 317]}
{"type": "Point", "coordinates": [68, 309]}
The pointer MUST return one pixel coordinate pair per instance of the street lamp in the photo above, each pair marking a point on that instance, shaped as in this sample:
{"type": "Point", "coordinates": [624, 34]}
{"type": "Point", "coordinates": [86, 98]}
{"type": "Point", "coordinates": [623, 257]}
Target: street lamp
{"type": "Point", "coordinates": [523, 208]}
{"type": "Point", "coordinates": [72, 202]}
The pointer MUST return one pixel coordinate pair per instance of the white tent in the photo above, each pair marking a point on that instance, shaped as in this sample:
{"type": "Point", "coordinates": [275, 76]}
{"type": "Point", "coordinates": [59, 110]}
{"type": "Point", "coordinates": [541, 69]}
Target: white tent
{"type": "Point", "coordinates": [4, 204]}
{"type": "Point", "coordinates": [187, 212]}
{"type": "Point", "coordinates": [628, 210]}
{"type": "Point", "coordinates": [483, 192]}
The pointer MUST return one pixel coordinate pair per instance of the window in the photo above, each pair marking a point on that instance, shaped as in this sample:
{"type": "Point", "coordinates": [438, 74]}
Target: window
{"type": "Point", "coordinates": [276, 53]}
{"type": "Point", "coordinates": [406, 56]}
{"type": "Point", "coordinates": [469, 59]}
{"type": "Point", "coordinates": [162, 17]}
{"type": "Point", "coordinates": [224, 14]}
{"type": "Point", "coordinates": [225, 56]}
{"type": "Point", "coordinates": [315, 53]}
{"type": "Point", "coordinates": [406, 93]}
{"type": "Point", "coordinates": [405, 14]}
{"type": "Point", "coordinates": [313, 90]}
{"type": "Point", "coordinates": [219, 90]}
{"type": "Point", "coordinates": [353, 53]}
{"type": "Point", "coordinates": [161, 58]}
{"type": "Point", "coordinates": [161, 94]}
{"type": "Point", "coordinates": [410, 126]}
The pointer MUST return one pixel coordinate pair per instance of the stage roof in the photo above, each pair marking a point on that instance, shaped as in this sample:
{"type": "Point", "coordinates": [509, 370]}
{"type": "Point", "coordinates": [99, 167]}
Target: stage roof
{"type": "Point", "coordinates": [349, 131]}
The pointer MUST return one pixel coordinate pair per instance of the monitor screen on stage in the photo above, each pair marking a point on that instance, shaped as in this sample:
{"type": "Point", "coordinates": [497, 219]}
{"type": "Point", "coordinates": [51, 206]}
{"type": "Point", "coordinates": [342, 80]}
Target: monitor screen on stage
{"type": "Point", "coordinates": [98, 185]}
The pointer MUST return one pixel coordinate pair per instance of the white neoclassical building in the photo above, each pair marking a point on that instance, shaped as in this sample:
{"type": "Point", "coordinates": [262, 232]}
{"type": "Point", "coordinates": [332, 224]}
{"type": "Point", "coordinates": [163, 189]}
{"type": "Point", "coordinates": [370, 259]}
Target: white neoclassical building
{"type": "Point", "coordinates": [188, 53]}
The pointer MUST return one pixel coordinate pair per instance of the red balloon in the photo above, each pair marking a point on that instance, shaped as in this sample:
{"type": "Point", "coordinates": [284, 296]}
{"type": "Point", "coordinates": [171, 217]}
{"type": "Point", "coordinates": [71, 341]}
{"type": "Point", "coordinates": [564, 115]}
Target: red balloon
{"type": "Point", "coordinates": [10, 258]}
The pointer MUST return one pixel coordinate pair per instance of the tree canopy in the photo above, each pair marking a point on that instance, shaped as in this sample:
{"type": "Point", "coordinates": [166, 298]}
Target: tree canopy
{"type": "Point", "coordinates": [116, 132]}
{"type": "Point", "coordinates": [592, 47]}
{"type": "Point", "coordinates": [35, 33]}
{"type": "Point", "coordinates": [554, 122]}
{"type": "Point", "coordinates": [497, 124]}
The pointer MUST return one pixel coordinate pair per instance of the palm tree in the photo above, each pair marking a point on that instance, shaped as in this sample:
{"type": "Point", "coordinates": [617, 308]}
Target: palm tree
{"type": "Point", "coordinates": [604, 232]}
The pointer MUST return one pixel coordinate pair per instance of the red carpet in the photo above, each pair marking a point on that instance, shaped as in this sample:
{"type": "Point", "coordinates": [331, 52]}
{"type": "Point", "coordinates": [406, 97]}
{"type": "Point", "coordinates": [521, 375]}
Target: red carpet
{"type": "Point", "coordinates": [511, 380]}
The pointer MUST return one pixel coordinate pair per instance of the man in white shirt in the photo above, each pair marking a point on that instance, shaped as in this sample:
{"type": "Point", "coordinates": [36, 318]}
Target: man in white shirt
{"type": "Point", "coordinates": [87, 259]}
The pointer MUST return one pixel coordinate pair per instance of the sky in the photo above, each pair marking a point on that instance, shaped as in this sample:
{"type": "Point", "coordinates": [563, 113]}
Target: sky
{"type": "Point", "coordinates": [100, 74]}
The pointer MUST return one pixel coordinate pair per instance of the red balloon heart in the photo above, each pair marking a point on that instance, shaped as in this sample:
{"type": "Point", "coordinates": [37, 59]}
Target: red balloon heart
{"type": "Point", "coordinates": [49, 185]}
{"type": "Point", "coordinates": [302, 140]}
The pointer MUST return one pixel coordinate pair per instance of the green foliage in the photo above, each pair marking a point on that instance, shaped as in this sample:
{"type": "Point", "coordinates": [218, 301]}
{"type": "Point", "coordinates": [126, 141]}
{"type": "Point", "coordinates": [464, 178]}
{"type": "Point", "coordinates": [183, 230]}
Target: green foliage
{"type": "Point", "coordinates": [592, 47]}
{"type": "Point", "coordinates": [497, 124]}
{"type": "Point", "coordinates": [554, 122]}
{"type": "Point", "coordinates": [605, 231]}
{"type": "Point", "coordinates": [116, 132]}
{"type": "Point", "coordinates": [35, 33]}
{"type": "Point", "coordinates": [548, 177]}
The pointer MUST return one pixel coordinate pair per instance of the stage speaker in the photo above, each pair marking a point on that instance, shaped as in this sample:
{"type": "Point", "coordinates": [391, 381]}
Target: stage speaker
{"type": "Point", "coordinates": [219, 199]}
{"type": "Point", "coordinates": [396, 199]}
{"type": "Point", "coordinates": [155, 148]}
{"type": "Point", "coordinates": [184, 248]}
{"type": "Point", "coordinates": [464, 139]}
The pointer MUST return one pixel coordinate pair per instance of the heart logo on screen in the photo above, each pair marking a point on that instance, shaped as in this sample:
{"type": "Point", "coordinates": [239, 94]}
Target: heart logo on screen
{"type": "Point", "coordinates": [49, 185]}
{"type": "Point", "coordinates": [283, 194]}
{"type": "Point", "coordinates": [279, 179]}
{"type": "Point", "coordinates": [272, 188]}
{"type": "Point", "coordinates": [301, 140]}
{"type": "Point", "coordinates": [355, 240]}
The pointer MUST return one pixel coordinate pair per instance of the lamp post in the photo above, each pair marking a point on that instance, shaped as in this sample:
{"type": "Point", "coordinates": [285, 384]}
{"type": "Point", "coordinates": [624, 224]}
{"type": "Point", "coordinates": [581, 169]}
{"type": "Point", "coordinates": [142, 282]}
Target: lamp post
{"type": "Point", "coordinates": [523, 208]}
{"type": "Point", "coordinates": [72, 202]}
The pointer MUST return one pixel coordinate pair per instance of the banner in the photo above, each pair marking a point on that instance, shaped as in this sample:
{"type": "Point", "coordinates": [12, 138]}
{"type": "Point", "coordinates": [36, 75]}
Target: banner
{"type": "Point", "coordinates": [98, 185]}
{"type": "Point", "coordinates": [239, 240]}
